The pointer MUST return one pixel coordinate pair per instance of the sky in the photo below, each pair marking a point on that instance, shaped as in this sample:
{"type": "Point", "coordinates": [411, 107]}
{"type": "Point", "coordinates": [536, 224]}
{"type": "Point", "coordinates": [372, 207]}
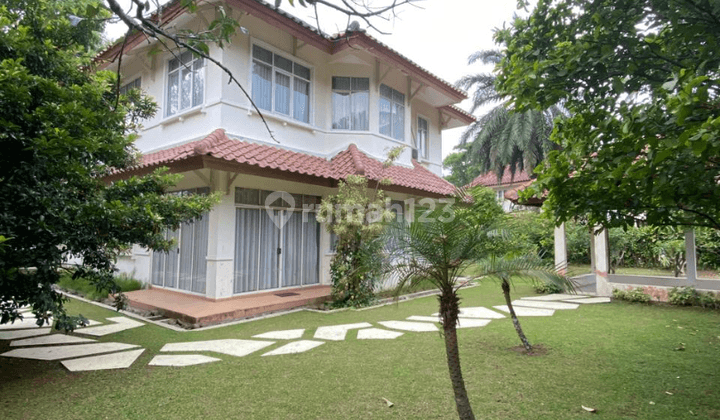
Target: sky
{"type": "Point", "coordinates": [438, 35]}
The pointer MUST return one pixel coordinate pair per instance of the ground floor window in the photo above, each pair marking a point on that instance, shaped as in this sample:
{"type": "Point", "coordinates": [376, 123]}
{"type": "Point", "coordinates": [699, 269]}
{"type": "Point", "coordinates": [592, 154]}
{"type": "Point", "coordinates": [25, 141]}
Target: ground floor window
{"type": "Point", "coordinates": [184, 267]}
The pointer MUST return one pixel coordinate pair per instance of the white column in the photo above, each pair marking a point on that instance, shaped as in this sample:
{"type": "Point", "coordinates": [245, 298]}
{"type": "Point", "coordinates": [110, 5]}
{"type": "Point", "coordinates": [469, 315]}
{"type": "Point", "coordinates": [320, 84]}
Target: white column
{"type": "Point", "coordinates": [560, 250]}
{"type": "Point", "coordinates": [690, 256]}
{"type": "Point", "coordinates": [602, 263]}
{"type": "Point", "coordinates": [221, 247]}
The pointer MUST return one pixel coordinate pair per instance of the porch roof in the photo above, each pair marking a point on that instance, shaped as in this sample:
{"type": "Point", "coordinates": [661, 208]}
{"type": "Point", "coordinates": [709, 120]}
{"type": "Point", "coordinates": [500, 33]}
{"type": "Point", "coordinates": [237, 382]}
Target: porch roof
{"type": "Point", "coordinates": [219, 151]}
{"type": "Point", "coordinates": [490, 179]}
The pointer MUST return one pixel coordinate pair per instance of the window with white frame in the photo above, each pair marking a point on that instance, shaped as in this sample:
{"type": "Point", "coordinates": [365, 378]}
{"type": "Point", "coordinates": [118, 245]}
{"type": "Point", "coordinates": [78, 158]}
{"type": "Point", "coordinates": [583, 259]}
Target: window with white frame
{"type": "Point", "coordinates": [280, 85]}
{"type": "Point", "coordinates": [351, 103]}
{"type": "Point", "coordinates": [500, 195]}
{"type": "Point", "coordinates": [127, 87]}
{"type": "Point", "coordinates": [422, 138]}
{"type": "Point", "coordinates": [392, 113]}
{"type": "Point", "coordinates": [185, 83]}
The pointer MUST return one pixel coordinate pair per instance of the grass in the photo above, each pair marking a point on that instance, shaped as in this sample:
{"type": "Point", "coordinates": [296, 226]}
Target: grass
{"type": "Point", "coordinates": [617, 358]}
{"type": "Point", "coordinates": [84, 288]}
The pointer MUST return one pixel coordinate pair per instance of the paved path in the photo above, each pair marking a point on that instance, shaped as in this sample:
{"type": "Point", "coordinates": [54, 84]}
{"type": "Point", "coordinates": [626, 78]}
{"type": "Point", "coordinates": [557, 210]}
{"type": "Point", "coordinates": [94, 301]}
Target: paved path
{"type": "Point", "coordinates": [40, 344]}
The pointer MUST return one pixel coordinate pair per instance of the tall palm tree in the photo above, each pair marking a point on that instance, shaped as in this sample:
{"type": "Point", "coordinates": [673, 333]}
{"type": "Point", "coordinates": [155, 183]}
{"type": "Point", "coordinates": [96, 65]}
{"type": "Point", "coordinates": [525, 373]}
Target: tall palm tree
{"type": "Point", "coordinates": [502, 138]}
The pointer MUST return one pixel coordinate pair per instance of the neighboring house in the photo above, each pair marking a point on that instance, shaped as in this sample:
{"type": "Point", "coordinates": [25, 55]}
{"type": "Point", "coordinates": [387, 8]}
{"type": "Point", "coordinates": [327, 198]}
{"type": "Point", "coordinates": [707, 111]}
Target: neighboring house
{"type": "Point", "coordinates": [505, 188]}
{"type": "Point", "coordinates": [336, 105]}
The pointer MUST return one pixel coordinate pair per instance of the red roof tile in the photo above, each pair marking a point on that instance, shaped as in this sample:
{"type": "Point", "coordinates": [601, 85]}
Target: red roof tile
{"type": "Point", "coordinates": [348, 162]}
{"type": "Point", "coordinates": [490, 179]}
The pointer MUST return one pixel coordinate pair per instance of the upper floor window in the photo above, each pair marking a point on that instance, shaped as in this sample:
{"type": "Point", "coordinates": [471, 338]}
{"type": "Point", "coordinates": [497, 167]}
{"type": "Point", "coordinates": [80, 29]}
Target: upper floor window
{"type": "Point", "coordinates": [280, 84]}
{"type": "Point", "coordinates": [422, 137]}
{"type": "Point", "coordinates": [186, 83]}
{"type": "Point", "coordinates": [127, 87]}
{"type": "Point", "coordinates": [500, 195]}
{"type": "Point", "coordinates": [351, 103]}
{"type": "Point", "coordinates": [392, 113]}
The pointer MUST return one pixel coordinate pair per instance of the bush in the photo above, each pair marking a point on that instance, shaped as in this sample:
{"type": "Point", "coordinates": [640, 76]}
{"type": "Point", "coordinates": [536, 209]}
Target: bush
{"type": "Point", "coordinates": [84, 288]}
{"type": "Point", "coordinates": [636, 295]}
{"type": "Point", "coordinates": [688, 296]}
{"type": "Point", "coordinates": [547, 288]}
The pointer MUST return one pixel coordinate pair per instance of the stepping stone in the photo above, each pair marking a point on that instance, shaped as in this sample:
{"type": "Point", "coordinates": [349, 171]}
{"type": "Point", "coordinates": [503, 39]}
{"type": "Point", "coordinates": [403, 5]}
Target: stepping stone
{"type": "Point", "coordinates": [523, 311]}
{"type": "Point", "coordinates": [12, 335]}
{"type": "Point", "coordinates": [120, 323]}
{"type": "Point", "coordinates": [424, 318]}
{"type": "Point", "coordinates": [231, 347]}
{"type": "Point", "coordinates": [544, 304]}
{"type": "Point", "coordinates": [377, 334]}
{"type": "Point", "coordinates": [181, 360]}
{"type": "Point", "coordinates": [282, 335]}
{"type": "Point", "coordinates": [472, 323]}
{"type": "Point", "coordinates": [478, 312]}
{"type": "Point", "coordinates": [107, 361]}
{"type": "Point", "coordinates": [409, 326]}
{"type": "Point", "coordinates": [295, 347]}
{"type": "Point", "coordinates": [67, 352]}
{"type": "Point", "coordinates": [25, 323]}
{"type": "Point", "coordinates": [555, 296]}
{"type": "Point", "coordinates": [338, 332]}
{"type": "Point", "coordinates": [589, 300]}
{"type": "Point", "coordinates": [51, 339]}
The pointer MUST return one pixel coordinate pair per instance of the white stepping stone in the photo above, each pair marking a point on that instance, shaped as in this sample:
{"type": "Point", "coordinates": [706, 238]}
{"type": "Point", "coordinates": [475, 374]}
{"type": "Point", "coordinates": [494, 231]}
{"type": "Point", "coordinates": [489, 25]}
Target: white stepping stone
{"type": "Point", "coordinates": [544, 304]}
{"type": "Point", "coordinates": [409, 326]}
{"type": "Point", "coordinates": [338, 332]}
{"type": "Point", "coordinates": [25, 323]}
{"type": "Point", "coordinates": [181, 360]}
{"type": "Point", "coordinates": [91, 323]}
{"type": "Point", "coordinates": [555, 296]}
{"type": "Point", "coordinates": [477, 312]}
{"type": "Point", "coordinates": [107, 361]}
{"type": "Point", "coordinates": [51, 339]}
{"type": "Point", "coordinates": [67, 352]}
{"type": "Point", "coordinates": [120, 323]}
{"type": "Point", "coordinates": [295, 347]}
{"type": "Point", "coordinates": [424, 318]}
{"type": "Point", "coordinates": [523, 311]}
{"type": "Point", "coordinates": [231, 347]}
{"type": "Point", "coordinates": [377, 334]}
{"type": "Point", "coordinates": [589, 300]}
{"type": "Point", "coordinates": [282, 335]}
{"type": "Point", "coordinates": [472, 323]}
{"type": "Point", "coordinates": [12, 335]}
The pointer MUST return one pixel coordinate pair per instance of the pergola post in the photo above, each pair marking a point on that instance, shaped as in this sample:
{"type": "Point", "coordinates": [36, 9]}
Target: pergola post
{"type": "Point", "coordinates": [561, 262]}
{"type": "Point", "coordinates": [601, 260]}
{"type": "Point", "coordinates": [690, 257]}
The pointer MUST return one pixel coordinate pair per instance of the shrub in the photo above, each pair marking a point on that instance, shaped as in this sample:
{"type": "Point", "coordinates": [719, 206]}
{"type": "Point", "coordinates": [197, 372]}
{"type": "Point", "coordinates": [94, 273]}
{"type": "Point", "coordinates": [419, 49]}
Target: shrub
{"type": "Point", "coordinates": [84, 288]}
{"type": "Point", "coordinates": [636, 295]}
{"type": "Point", "coordinates": [688, 296]}
{"type": "Point", "coordinates": [547, 288]}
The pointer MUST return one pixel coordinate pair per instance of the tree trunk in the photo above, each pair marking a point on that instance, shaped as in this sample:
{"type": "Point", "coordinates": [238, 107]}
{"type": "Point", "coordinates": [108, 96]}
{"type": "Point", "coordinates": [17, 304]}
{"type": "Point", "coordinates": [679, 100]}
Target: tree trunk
{"type": "Point", "coordinates": [516, 322]}
{"type": "Point", "coordinates": [462, 403]}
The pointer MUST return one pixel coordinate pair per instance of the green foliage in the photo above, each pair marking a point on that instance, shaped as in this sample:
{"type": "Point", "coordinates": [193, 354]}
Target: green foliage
{"type": "Point", "coordinates": [357, 215]}
{"type": "Point", "coordinates": [641, 82]}
{"type": "Point", "coordinates": [62, 129]}
{"type": "Point", "coordinates": [532, 233]}
{"type": "Point", "coordinates": [547, 288]}
{"type": "Point", "coordinates": [636, 295]}
{"type": "Point", "coordinates": [88, 290]}
{"type": "Point", "coordinates": [688, 296]}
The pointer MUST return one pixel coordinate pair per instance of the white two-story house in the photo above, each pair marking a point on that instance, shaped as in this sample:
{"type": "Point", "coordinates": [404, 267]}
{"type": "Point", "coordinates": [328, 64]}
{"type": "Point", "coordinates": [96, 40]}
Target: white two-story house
{"type": "Point", "coordinates": [335, 104]}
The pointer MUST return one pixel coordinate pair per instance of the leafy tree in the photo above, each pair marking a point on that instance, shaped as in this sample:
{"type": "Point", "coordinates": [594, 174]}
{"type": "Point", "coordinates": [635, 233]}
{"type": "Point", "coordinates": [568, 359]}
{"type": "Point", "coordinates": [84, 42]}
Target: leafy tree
{"type": "Point", "coordinates": [62, 128]}
{"type": "Point", "coordinates": [641, 82]}
{"type": "Point", "coordinates": [501, 138]}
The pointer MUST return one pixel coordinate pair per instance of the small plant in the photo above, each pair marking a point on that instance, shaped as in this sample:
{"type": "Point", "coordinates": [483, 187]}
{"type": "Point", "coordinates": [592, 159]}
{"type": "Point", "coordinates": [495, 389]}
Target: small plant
{"type": "Point", "coordinates": [636, 295]}
{"type": "Point", "coordinates": [547, 288]}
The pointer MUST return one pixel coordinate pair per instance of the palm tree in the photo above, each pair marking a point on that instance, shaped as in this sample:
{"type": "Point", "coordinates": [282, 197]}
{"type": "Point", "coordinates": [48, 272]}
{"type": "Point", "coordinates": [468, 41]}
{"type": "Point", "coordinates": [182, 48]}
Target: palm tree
{"type": "Point", "coordinates": [502, 138]}
{"type": "Point", "coordinates": [507, 270]}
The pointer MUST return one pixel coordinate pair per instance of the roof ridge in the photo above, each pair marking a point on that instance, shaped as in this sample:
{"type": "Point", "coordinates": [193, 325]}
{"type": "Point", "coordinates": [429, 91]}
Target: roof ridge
{"type": "Point", "coordinates": [357, 160]}
{"type": "Point", "coordinates": [204, 146]}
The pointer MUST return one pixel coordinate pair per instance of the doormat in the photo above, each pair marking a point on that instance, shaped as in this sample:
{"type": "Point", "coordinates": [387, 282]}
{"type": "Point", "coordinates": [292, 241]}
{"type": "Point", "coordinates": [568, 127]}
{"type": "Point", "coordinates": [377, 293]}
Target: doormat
{"type": "Point", "coordinates": [287, 294]}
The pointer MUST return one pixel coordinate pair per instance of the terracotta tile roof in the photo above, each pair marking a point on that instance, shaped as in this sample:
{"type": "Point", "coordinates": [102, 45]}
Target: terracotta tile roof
{"type": "Point", "coordinates": [348, 162]}
{"type": "Point", "coordinates": [490, 179]}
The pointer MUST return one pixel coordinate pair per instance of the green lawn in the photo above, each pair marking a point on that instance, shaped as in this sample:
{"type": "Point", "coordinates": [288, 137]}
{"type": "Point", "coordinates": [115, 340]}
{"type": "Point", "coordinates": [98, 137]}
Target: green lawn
{"type": "Point", "coordinates": [618, 358]}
